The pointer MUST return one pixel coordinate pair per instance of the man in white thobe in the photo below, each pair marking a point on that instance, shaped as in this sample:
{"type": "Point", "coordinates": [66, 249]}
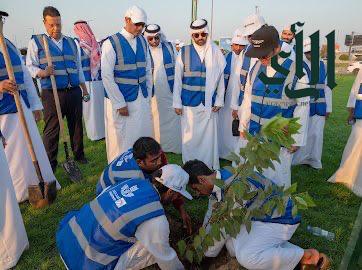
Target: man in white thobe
{"type": "Point", "coordinates": [166, 124]}
{"type": "Point", "coordinates": [349, 172]}
{"type": "Point", "coordinates": [90, 54]}
{"type": "Point", "coordinates": [320, 109]}
{"type": "Point", "coordinates": [199, 94]}
{"type": "Point", "coordinates": [127, 78]}
{"type": "Point", "coordinates": [259, 106]}
{"type": "Point", "coordinates": [266, 246]}
{"type": "Point", "coordinates": [13, 238]}
{"type": "Point", "coordinates": [227, 141]}
{"type": "Point", "coordinates": [21, 166]}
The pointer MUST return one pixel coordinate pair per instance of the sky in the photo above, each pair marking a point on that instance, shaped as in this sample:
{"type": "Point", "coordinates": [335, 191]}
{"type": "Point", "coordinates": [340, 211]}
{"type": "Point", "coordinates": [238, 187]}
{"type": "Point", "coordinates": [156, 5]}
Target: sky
{"type": "Point", "coordinates": [106, 16]}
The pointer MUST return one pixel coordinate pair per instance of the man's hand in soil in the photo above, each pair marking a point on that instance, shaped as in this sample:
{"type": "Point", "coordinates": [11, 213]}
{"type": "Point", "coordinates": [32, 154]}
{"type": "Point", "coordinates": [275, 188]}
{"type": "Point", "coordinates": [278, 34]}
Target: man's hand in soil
{"type": "Point", "coordinates": [179, 204]}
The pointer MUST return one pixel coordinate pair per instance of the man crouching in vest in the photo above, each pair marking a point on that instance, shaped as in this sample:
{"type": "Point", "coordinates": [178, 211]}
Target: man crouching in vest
{"type": "Point", "coordinates": [125, 227]}
{"type": "Point", "coordinates": [141, 161]}
{"type": "Point", "coordinates": [198, 95]}
{"type": "Point", "coordinates": [69, 77]}
{"type": "Point", "coordinates": [266, 246]}
{"type": "Point", "coordinates": [127, 78]}
{"type": "Point", "coordinates": [264, 101]}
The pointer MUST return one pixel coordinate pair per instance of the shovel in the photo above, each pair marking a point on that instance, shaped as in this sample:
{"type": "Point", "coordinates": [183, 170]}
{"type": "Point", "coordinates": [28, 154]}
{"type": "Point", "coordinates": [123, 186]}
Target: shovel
{"type": "Point", "coordinates": [69, 165]}
{"type": "Point", "coordinates": [44, 193]}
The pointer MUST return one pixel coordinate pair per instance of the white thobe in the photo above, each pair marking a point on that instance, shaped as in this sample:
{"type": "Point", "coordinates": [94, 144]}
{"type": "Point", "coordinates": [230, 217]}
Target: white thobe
{"type": "Point", "coordinates": [265, 247]}
{"type": "Point", "coordinates": [227, 142]}
{"type": "Point", "coordinates": [199, 129]}
{"type": "Point", "coordinates": [311, 153]}
{"type": "Point", "coordinates": [21, 166]}
{"type": "Point", "coordinates": [123, 131]}
{"type": "Point", "coordinates": [282, 172]}
{"type": "Point", "coordinates": [166, 124]}
{"type": "Point", "coordinates": [349, 172]}
{"type": "Point", "coordinates": [152, 247]}
{"type": "Point", "coordinates": [93, 110]}
{"type": "Point", "coordinates": [13, 238]}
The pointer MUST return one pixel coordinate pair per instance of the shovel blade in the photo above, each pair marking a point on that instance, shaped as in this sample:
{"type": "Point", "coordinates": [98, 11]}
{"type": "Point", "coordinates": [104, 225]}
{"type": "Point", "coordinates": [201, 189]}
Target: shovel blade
{"type": "Point", "coordinates": [39, 200]}
{"type": "Point", "coordinates": [72, 170]}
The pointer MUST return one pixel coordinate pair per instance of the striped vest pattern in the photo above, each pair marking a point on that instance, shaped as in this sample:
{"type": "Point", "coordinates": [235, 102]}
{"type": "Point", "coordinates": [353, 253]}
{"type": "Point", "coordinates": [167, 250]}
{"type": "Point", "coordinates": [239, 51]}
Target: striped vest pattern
{"type": "Point", "coordinates": [122, 168]}
{"type": "Point", "coordinates": [7, 103]}
{"type": "Point", "coordinates": [243, 75]}
{"type": "Point", "coordinates": [101, 231]}
{"type": "Point", "coordinates": [130, 67]}
{"type": "Point", "coordinates": [64, 62]}
{"type": "Point", "coordinates": [85, 60]}
{"type": "Point", "coordinates": [194, 78]}
{"type": "Point", "coordinates": [358, 105]}
{"type": "Point", "coordinates": [318, 106]}
{"type": "Point", "coordinates": [227, 69]}
{"type": "Point", "coordinates": [260, 182]}
{"type": "Point", "coordinates": [168, 63]}
{"type": "Point", "coordinates": [269, 100]}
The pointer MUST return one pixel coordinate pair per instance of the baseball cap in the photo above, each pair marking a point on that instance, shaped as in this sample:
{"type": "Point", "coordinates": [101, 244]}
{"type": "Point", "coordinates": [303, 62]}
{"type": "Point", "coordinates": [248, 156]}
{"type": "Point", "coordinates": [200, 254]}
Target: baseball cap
{"type": "Point", "coordinates": [175, 178]}
{"type": "Point", "coordinates": [251, 24]}
{"type": "Point", "coordinates": [263, 41]}
{"type": "Point", "coordinates": [137, 14]}
{"type": "Point", "coordinates": [238, 38]}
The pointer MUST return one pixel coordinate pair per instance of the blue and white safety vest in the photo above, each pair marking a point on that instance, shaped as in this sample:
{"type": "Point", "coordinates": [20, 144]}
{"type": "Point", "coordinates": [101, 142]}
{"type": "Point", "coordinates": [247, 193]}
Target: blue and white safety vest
{"type": "Point", "coordinates": [101, 231]}
{"type": "Point", "coordinates": [85, 60]}
{"type": "Point", "coordinates": [227, 70]}
{"type": "Point", "coordinates": [318, 106]}
{"type": "Point", "coordinates": [64, 62]}
{"type": "Point", "coordinates": [7, 103]}
{"type": "Point", "coordinates": [124, 167]}
{"type": "Point", "coordinates": [194, 78]}
{"type": "Point", "coordinates": [260, 182]}
{"type": "Point", "coordinates": [269, 100]}
{"type": "Point", "coordinates": [168, 63]}
{"type": "Point", "coordinates": [130, 68]}
{"type": "Point", "coordinates": [358, 105]}
{"type": "Point", "coordinates": [244, 74]}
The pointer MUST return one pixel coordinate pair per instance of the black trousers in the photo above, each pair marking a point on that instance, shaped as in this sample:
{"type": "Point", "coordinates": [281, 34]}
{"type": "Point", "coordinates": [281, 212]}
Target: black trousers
{"type": "Point", "coordinates": [71, 106]}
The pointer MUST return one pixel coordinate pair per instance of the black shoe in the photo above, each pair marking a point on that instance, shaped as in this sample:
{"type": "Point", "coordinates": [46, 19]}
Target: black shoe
{"type": "Point", "coordinates": [82, 160]}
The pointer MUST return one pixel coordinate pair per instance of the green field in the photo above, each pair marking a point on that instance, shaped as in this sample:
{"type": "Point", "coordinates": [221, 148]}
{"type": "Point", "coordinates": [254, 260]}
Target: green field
{"type": "Point", "coordinates": [336, 206]}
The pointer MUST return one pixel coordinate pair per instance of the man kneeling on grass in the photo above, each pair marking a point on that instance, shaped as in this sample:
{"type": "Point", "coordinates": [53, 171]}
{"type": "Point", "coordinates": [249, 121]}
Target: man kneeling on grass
{"type": "Point", "coordinates": [141, 161]}
{"type": "Point", "coordinates": [125, 227]}
{"type": "Point", "coordinates": [266, 246]}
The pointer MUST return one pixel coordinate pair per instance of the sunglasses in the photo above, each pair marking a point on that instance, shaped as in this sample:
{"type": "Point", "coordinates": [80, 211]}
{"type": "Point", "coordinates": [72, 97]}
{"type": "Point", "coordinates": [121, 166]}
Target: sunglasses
{"type": "Point", "coordinates": [196, 35]}
{"type": "Point", "coordinates": [153, 38]}
{"type": "Point", "coordinates": [140, 24]}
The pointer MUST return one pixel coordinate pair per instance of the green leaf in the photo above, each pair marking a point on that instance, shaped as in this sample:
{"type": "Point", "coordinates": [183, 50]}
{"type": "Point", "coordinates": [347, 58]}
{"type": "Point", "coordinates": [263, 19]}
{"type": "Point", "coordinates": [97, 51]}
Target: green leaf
{"type": "Point", "coordinates": [301, 201]}
{"type": "Point", "coordinates": [292, 189]}
{"type": "Point", "coordinates": [295, 210]}
{"type": "Point", "coordinates": [208, 241]}
{"type": "Point", "coordinates": [181, 245]}
{"type": "Point", "coordinates": [190, 255]}
{"type": "Point", "coordinates": [215, 231]}
{"type": "Point", "coordinates": [202, 232]}
{"type": "Point", "coordinates": [197, 242]}
{"type": "Point", "coordinates": [248, 225]}
{"type": "Point", "coordinates": [308, 199]}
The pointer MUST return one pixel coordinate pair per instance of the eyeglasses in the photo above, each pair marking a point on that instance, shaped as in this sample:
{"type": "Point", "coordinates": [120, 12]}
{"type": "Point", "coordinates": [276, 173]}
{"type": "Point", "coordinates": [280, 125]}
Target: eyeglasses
{"type": "Point", "coordinates": [153, 38]}
{"type": "Point", "coordinates": [196, 35]}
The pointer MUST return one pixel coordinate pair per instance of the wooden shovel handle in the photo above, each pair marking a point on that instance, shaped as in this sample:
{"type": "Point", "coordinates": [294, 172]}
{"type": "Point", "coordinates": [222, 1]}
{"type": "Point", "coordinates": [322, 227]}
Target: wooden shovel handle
{"type": "Point", "coordinates": [10, 71]}
{"type": "Point", "coordinates": [54, 87]}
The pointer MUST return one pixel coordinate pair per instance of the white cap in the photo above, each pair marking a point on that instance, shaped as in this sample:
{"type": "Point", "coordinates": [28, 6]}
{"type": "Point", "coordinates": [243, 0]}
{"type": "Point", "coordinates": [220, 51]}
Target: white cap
{"type": "Point", "coordinates": [251, 24]}
{"type": "Point", "coordinates": [177, 41]}
{"type": "Point", "coordinates": [307, 45]}
{"type": "Point", "coordinates": [137, 14]}
{"type": "Point", "coordinates": [175, 178]}
{"type": "Point", "coordinates": [239, 39]}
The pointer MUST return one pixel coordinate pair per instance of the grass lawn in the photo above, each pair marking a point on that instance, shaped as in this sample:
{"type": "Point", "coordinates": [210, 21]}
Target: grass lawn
{"type": "Point", "coordinates": [336, 206]}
